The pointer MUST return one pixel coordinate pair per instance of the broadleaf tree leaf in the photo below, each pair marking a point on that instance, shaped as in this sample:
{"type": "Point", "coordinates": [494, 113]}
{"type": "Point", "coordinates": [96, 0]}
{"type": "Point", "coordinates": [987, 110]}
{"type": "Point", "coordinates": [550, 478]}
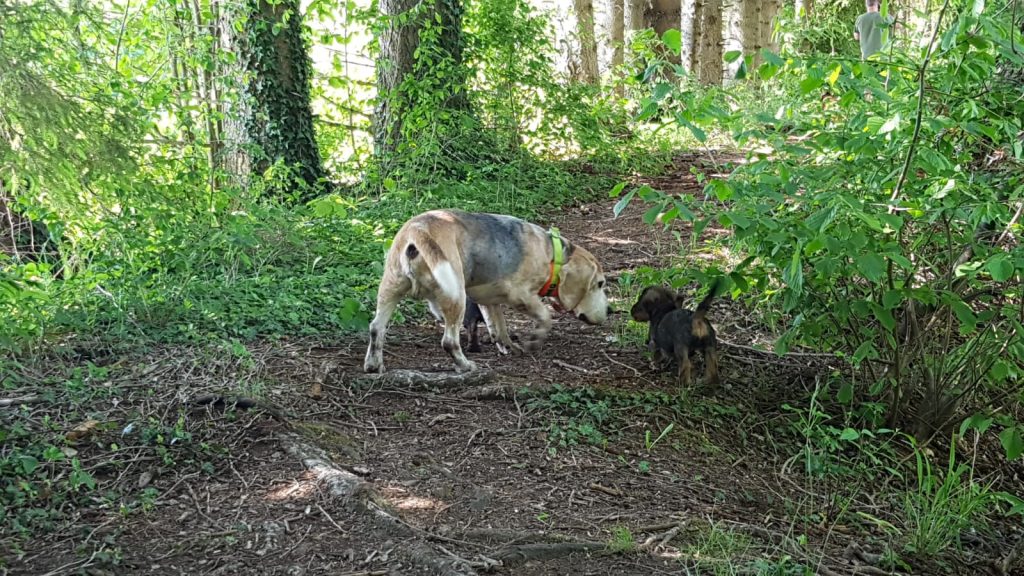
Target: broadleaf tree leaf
{"type": "Point", "coordinates": [673, 39]}
{"type": "Point", "coordinates": [1012, 442]}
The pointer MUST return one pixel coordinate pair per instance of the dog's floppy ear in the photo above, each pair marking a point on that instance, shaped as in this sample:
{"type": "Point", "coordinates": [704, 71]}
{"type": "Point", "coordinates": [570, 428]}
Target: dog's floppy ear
{"type": "Point", "coordinates": [578, 281]}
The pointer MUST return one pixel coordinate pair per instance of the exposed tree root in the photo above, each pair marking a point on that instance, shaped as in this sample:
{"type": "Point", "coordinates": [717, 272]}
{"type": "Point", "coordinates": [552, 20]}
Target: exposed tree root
{"type": "Point", "coordinates": [359, 498]}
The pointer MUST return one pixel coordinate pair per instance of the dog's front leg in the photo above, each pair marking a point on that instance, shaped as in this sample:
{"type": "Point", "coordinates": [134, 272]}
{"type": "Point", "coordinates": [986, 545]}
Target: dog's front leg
{"type": "Point", "coordinates": [535, 307]}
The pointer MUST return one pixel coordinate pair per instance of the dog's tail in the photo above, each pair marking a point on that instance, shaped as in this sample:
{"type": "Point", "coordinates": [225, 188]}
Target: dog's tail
{"type": "Point", "coordinates": [700, 325]}
{"type": "Point", "coordinates": [422, 257]}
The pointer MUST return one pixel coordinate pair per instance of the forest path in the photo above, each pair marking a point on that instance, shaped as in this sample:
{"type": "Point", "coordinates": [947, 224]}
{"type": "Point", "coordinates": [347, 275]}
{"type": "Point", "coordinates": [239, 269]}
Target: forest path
{"type": "Point", "coordinates": [576, 460]}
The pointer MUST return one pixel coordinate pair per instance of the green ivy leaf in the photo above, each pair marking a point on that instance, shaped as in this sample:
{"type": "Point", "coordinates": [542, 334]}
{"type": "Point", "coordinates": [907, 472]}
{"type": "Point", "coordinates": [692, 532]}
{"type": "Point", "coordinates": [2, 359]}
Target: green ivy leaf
{"type": "Point", "coordinates": [871, 266]}
{"type": "Point", "coordinates": [660, 91]}
{"type": "Point", "coordinates": [978, 422]}
{"type": "Point", "coordinates": [1000, 268]}
{"type": "Point", "coordinates": [849, 434]}
{"type": "Point", "coordinates": [622, 203]}
{"type": "Point", "coordinates": [732, 55]}
{"type": "Point", "coordinates": [673, 39]}
{"type": "Point", "coordinates": [809, 85]}
{"type": "Point", "coordinates": [1012, 442]}
{"type": "Point", "coordinates": [617, 190]}
{"type": "Point", "coordinates": [965, 315]}
{"type": "Point", "coordinates": [845, 395]}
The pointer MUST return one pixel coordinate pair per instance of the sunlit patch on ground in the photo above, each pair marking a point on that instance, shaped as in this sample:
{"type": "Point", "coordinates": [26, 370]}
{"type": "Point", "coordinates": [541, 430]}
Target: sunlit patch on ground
{"type": "Point", "coordinates": [402, 499]}
{"type": "Point", "coordinates": [299, 489]}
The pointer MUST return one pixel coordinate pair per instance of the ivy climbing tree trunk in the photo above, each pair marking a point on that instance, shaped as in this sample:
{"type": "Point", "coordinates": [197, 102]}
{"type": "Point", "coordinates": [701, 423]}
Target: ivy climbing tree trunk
{"type": "Point", "coordinates": [584, 10]}
{"type": "Point", "coordinates": [709, 70]}
{"type": "Point", "coordinates": [420, 65]}
{"type": "Point", "coordinates": [276, 117]}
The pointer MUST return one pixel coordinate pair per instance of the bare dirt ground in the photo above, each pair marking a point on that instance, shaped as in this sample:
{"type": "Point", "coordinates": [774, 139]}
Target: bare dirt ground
{"type": "Point", "coordinates": [555, 464]}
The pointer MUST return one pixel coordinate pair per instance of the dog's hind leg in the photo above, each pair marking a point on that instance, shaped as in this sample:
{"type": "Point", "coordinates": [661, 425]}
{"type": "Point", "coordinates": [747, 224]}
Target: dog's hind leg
{"type": "Point", "coordinates": [389, 295]}
{"type": "Point", "coordinates": [683, 378]}
{"type": "Point", "coordinates": [453, 309]}
{"type": "Point", "coordinates": [494, 317]}
{"type": "Point", "coordinates": [711, 365]}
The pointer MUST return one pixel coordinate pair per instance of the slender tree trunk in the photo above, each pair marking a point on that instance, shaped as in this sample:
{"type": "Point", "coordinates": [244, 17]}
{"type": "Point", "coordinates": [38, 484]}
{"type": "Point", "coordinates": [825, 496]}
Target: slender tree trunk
{"type": "Point", "coordinates": [688, 30]}
{"type": "Point", "coordinates": [710, 68]}
{"type": "Point", "coordinates": [769, 10]}
{"type": "Point", "coordinates": [584, 10]}
{"type": "Point", "coordinates": [397, 41]}
{"type": "Point", "coordinates": [750, 29]}
{"type": "Point", "coordinates": [803, 9]}
{"type": "Point", "coordinates": [617, 30]}
{"type": "Point", "coordinates": [635, 10]}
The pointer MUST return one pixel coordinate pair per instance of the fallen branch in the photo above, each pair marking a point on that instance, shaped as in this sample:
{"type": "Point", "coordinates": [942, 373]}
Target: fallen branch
{"type": "Point", "coordinates": [425, 380]}
{"type": "Point", "coordinates": [7, 402]}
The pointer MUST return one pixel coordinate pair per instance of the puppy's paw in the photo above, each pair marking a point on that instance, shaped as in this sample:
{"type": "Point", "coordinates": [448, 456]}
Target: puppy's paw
{"type": "Point", "coordinates": [373, 367]}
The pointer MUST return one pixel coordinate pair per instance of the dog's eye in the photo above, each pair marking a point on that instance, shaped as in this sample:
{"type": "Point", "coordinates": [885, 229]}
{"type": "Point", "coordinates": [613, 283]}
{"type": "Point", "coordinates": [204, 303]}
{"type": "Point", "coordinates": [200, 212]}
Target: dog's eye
{"type": "Point", "coordinates": [600, 283]}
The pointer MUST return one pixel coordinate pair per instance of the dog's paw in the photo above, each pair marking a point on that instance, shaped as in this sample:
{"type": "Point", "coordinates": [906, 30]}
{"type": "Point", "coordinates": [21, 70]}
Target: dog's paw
{"type": "Point", "coordinates": [469, 366]}
{"type": "Point", "coordinates": [373, 367]}
{"type": "Point", "coordinates": [534, 341]}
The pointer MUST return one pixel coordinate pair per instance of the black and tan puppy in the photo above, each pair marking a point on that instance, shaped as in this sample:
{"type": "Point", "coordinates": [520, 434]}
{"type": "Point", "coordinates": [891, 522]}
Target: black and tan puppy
{"type": "Point", "coordinates": [677, 333]}
{"type": "Point", "coordinates": [471, 322]}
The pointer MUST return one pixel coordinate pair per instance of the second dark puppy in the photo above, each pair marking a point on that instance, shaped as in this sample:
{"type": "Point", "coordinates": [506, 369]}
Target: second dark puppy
{"type": "Point", "coordinates": [470, 322]}
{"type": "Point", "coordinates": [677, 332]}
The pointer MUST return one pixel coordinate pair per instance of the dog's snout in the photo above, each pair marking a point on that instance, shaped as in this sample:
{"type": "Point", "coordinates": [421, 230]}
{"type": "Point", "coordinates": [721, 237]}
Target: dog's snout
{"type": "Point", "coordinates": [584, 318]}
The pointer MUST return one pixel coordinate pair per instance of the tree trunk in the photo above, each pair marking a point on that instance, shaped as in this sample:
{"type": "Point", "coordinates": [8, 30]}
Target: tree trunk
{"type": "Point", "coordinates": [397, 42]}
{"type": "Point", "coordinates": [802, 9]}
{"type": "Point", "coordinates": [275, 118]}
{"type": "Point", "coordinates": [665, 15]}
{"type": "Point", "coordinates": [635, 10]}
{"type": "Point", "coordinates": [769, 10]}
{"type": "Point", "coordinates": [688, 31]}
{"type": "Point", "coordinates": [750, 29]}
{"type": "Point", "coordinates": [617, 30]}
{"type": "Point", "coordinates": [709, 70]}
{"type": "Point", "coordinates": [448, 66]}
{"type": "Point", "coordinates": [584, 10]}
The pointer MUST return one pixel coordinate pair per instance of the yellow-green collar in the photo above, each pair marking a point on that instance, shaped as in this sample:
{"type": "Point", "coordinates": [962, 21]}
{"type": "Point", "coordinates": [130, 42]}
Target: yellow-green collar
{"type": "Point", "coordinates": [551, 286]}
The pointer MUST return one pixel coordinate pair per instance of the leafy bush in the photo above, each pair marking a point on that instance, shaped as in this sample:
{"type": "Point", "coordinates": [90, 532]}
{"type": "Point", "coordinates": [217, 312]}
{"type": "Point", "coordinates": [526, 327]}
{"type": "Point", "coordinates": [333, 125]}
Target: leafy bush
{"type": "Point", "coordinates": [875, 215]}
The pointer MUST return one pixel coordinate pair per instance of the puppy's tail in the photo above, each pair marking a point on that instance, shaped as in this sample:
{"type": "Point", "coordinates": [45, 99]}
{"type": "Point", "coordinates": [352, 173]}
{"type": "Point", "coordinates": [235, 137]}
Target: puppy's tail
{"type": "Point", "coordinates": [700, 325]}
{"type": "Point", "coordinates": [421, 258]}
